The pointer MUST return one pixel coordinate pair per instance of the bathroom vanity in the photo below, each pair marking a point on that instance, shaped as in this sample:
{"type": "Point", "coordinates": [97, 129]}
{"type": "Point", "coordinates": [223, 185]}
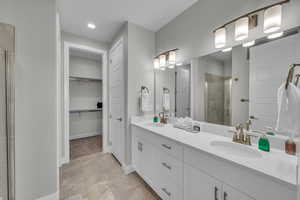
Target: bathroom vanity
{"type": "Point", "coordinates": [180, 165]}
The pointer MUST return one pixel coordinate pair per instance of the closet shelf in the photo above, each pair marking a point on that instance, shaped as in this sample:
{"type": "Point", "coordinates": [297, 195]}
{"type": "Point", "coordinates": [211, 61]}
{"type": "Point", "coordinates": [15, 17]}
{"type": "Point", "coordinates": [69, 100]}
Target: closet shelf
{"type": "Point", "coordinates": [86, 110]}
{"type": "Point", "coordinates": [77, 78]}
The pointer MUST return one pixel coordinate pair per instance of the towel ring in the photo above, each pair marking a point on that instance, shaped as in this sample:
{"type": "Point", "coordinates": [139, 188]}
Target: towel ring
{"type": "Point", "coordinates": [290, 76]}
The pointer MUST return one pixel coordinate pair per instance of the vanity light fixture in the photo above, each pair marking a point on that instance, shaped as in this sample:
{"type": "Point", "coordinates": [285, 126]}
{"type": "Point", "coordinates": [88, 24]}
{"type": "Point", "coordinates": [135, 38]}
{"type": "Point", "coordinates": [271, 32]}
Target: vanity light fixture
{"type": "Point", "coordinates": [272, 23]}
{"type": "Point", "coordinates": [249, 44]}
{"type": "Point", "coordinates": [91, 26]}
{"type": "Point", "coordinates": [227, 49]}
{"type": "Point", "coordinates": [241, 28]}
{"type": "Point", "coordinates": [272, 19]}
{"type": "Point", "coordinates": [172, 58]}
{"type": "Point", "coordinates": [156, 63]}
{"type": "Point", "coordinates": [165, 60]}
{"type": "Point", "coordinates": [162, 61]}
{"type": "Point", "coordinates": [275, 35]}
{"type": "Point", "coordinates": [220, 37]}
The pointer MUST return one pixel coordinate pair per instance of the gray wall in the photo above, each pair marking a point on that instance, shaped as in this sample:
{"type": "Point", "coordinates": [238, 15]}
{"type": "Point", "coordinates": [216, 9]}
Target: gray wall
{"type": "Point", "coordinates": [85, 95]}
{"type": "Point", "coordinates": [36, 149]}
{"type": "Point", "coordinates": [141, 50]}
{"type": "Point", "coordinates": [191, 31]}
{"type": "Point", "coordinates": [69, 37]}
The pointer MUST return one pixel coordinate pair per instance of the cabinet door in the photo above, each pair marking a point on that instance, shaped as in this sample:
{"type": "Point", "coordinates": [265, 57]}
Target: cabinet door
{"type": "Point", "coordinates": [230, 193]}
{"type": "Point", "coordinates": [199, 186]}
{"type": "Point", "coordinates": [144, 160]}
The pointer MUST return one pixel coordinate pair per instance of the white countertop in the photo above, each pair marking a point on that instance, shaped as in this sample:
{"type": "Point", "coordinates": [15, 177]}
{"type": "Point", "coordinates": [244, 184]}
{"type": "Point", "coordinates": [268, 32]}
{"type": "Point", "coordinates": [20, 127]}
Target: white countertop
{"type": "Point", "coordinates": [275, 163]}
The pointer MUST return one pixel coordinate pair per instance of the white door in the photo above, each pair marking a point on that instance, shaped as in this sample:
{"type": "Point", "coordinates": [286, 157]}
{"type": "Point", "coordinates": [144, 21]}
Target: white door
{"type": "Point", "coordinates": [182, 92]}
{"type": "Point", "coordinates": [116, 101]}
{"type": "Point", "coordinates": [269, 64]}
{"type": "Point", "coordinates": [198, 185]}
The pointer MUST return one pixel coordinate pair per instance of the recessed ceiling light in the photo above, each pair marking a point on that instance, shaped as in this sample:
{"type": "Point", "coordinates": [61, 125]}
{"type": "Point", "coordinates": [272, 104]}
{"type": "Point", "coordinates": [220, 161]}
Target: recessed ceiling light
{"type": "Point", "coordinates": [249, 44]}
{"type": "Point", "coordinates": [275, 35]}
{"type": "Point", "coordinates": [227, 49]}
{"type": "Point", "coordinates": [91, 25]}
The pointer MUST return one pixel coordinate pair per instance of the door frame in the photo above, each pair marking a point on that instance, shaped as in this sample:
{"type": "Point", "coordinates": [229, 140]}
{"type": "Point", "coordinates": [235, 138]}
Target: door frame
{"type": "Point", "coordinates": [65, 98]}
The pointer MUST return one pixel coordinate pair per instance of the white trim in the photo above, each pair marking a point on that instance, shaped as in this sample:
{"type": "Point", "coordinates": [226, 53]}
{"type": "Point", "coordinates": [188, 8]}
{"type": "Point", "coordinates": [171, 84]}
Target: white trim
{"type": "Point", "coordinates": [127, 169]}
{"type": "Point", "coordinates": [53, 196]}
{"type": "Point", "coordinates": [103, 53]}
{"type": "Point", "coordinates": [84, 135]}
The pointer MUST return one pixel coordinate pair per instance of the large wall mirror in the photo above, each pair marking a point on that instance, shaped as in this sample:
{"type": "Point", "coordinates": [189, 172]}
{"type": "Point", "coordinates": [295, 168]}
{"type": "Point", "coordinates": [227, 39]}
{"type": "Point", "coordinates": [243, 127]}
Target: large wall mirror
{"type": "Point", "coordinates": [175, 83]}
{"type": "Point", "coordinates": [230, 87]}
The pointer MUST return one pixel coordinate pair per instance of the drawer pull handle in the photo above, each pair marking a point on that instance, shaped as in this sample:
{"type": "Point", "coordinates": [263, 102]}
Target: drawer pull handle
{"type": "Point", "coordinates": [166, 165]}
{"type": "Point", "coordinates": [216, 193]}
{"type": "Point", "coordinates": [225, 196]}
{"type": "Point", "coordinates": [140, 146]}
{"type": "Point", "coordinates": [166, 191]}
{"type": "Point", "coordinates": [166, 146]}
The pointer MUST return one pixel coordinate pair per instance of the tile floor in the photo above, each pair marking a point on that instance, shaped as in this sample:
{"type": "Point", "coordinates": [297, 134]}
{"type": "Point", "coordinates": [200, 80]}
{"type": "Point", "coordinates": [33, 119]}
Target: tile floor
{"type": "Point", "coordinates": [85, 146]}
{"type": "Point", "coordinates": [98, 176]}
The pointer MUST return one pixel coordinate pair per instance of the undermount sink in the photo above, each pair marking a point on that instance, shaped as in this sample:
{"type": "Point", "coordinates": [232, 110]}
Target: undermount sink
{"type": "Point", "coordinates": [235, 149]}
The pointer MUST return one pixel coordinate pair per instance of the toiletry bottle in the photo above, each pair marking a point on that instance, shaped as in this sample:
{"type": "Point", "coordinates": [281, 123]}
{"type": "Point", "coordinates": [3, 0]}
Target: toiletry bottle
{"type": "Point", "coordinates": [290, 147]}
{"type": "Point", "coordinates": [263, 143]}
{"type": "Point", "coordinates": [155, 119]}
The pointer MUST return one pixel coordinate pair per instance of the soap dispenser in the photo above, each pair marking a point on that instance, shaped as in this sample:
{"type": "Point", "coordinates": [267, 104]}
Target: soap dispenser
{"type": "Point", "coordinates": [263, 143]}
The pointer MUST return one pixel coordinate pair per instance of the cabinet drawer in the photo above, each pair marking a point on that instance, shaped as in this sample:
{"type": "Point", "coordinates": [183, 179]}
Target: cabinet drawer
{"type": "Point", "coordinates": [171, 147]}
{"type": "Point", "coordinates": [168, 190]}
{"type": "Point", "coordinates": [169, 167]}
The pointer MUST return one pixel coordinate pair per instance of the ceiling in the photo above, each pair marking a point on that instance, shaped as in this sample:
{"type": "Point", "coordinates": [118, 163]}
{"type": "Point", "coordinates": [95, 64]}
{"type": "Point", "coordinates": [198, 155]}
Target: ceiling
{"type": "Point", "coordinates": [110, 15]}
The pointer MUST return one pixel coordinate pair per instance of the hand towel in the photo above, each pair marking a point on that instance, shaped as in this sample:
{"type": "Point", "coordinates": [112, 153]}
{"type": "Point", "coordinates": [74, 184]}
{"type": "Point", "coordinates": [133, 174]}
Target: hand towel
{"type": "Point", "coordinates": [288, 119]}
{"type": "Point", "coordinates": [145, 101]}
{"type": "Point", "coordinates": [166, 101]}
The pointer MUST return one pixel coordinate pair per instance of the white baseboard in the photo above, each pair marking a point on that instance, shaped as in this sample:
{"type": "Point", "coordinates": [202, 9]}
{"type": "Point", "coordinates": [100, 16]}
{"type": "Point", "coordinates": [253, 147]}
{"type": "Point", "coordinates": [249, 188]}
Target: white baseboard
{"type": "Point", "coordinates": [63, 160]}
{"type": "Point", "coordinates": [84, 135]}
{"type": "Point", "coordinates": [53, 196]}
{"type": "Point", "coordinates": [128, 169]}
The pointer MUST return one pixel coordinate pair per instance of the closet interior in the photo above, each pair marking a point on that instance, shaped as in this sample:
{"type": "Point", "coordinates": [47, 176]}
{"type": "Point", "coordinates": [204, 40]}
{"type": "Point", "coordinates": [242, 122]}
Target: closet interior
{"type": "Point", "coordinates": [85, 103]}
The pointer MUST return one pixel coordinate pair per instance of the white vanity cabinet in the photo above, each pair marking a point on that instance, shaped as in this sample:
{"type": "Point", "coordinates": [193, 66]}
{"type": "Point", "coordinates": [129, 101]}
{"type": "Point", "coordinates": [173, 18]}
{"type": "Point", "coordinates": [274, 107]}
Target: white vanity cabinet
{"type": "Point", "coordinates": [159, 162]}
{"type": "Point", "coordinates": [198, 185]}
{"type": "Point", "coordinates": [176, 171]}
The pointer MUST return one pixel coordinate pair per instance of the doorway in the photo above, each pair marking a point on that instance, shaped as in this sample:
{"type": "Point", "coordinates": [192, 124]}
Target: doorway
{"type": "Point", "coordinates": [84, 102]}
